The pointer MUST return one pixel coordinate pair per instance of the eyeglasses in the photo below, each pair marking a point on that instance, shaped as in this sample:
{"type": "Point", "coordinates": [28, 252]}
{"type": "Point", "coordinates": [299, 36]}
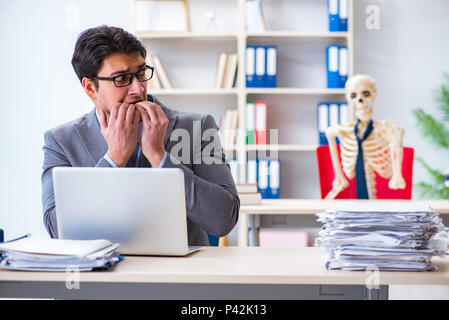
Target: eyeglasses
{"type": "Point", "coordinates": [125, 79]}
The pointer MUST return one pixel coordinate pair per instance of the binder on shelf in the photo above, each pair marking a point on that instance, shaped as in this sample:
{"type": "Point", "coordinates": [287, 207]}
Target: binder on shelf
{"type": "Point", "coordinates": [343, 15]}
{"type": "Point", "coordinates": [274, 178]}
{"type": "Point", "coordinates": [332, 62]}
{"type": "Point", "coordinates": [250, 66]}
{"type": "Point", "coordinates": [158, 67]}
{"type": "Point", "coordinates": [260, 72]}
{"type": "Point", "coordinates": [221, 67]}
{"type": "Point", "coordinates": [271, 70]}
{"type": "Point", "coordinates": [323, 122]}
{"type": "Point", "coordinates": [344, 113]}
{"type": "Point", "coordinates": [334, 115]}
{"type": "Point", "coordinates": [251, 171]}
{"type": "Point", "coordinates": [334, 21]}
{"type": "Point", "coordinates": [250, 125]}
{"type": "Point", "coordinates": [260, 108]}
{"type": "Point", "coordinates": [342, 65]}
{"type": "Point", "coordinates": [263, 178]}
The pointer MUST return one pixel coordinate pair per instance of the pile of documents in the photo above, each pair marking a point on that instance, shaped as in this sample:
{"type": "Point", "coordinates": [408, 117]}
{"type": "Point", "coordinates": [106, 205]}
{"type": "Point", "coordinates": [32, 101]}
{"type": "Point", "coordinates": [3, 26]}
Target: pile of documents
{"type": "Point", "coordinates": [41, 254]}
{"type": "Point", "coordinates": [391, 236]}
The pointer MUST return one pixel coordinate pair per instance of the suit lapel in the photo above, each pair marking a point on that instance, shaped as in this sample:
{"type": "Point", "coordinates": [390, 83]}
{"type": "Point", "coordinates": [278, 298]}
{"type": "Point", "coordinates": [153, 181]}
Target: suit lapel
{"type": "Point", "coordinates": [91, 137]}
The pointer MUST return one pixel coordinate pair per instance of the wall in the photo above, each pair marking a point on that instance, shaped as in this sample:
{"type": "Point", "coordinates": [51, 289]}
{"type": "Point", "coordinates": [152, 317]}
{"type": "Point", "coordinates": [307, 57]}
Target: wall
{"type": "Point", "coordinates": [39, 89]}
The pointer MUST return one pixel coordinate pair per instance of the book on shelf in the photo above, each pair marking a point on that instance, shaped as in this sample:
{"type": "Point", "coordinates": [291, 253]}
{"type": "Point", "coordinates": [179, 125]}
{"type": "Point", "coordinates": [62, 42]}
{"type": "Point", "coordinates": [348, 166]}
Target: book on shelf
{"type": "Point", "coordinates": [261, 67]}
{"type": "Point", "coordinates": [230, 71]}
{"type": "Point", "coordinates": [162, 74]}
{"type": "Point", "coordinates": [228, 128]}
{"type": "Point", "coordinates": [249, 194]}
{"type": "Point", "coordinates": [246, 187]}
{"type": "Point", "coordinates": [255, 20]}
{"type": "Point", "coordinates": [338, 15]}
{"type": "Point", "coordinates": [154, 83]}
{"type": "Point", "coordinates": [221, 67]}
{"type": "Point", "coordinates": [226, 70]}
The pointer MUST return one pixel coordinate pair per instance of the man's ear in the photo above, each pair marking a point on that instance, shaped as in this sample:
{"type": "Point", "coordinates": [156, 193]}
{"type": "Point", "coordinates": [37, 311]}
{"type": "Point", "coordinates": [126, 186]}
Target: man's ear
{"type": "Point", "coordinates": [89, 88]}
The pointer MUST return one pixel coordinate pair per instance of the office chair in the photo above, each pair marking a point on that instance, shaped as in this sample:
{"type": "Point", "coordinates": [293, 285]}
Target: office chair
{"type": "Point", "coordinates": [326, 176]}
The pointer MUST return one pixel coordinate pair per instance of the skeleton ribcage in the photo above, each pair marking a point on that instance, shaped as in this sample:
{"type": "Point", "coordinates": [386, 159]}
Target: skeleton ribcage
{"type": "Point", "coordinates": [376, 154]}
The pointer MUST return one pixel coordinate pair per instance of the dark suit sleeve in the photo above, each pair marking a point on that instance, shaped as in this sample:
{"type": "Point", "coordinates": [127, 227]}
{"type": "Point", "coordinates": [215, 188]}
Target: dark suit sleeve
{"type": "Point", "coordinates": [54, 156]}
{"type": "Point", "coordinates": [212, 201]}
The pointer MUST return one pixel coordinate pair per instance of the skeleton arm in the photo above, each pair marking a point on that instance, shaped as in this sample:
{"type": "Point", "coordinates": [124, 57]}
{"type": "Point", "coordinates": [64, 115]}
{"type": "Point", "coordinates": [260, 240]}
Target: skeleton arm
{"type": "Point", "coordinates": [340, 183]}
{"type": "Point", "coordinates": [394, 133]}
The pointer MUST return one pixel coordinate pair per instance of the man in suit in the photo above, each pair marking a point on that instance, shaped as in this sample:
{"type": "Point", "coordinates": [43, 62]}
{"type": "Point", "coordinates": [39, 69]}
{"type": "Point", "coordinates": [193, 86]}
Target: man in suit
{"type": "Point", "coordinates": [128, 128]}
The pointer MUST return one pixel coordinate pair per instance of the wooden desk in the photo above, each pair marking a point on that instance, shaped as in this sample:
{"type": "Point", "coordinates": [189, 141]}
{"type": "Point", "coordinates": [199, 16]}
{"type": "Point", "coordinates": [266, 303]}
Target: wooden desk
{"type": "Point", "coordinates": [218, 273]}
{"type": "Point", "coordinates": [310, 207]}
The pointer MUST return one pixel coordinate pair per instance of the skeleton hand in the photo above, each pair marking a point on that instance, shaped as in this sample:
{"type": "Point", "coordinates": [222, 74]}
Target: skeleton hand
{"type": "Point", "coordinates": [396, 182]}
{"type": "Point", "coordinates": [340, 183]}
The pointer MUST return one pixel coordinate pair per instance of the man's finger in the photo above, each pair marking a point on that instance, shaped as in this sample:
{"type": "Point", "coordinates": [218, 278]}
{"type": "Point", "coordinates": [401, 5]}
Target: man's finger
{"type": "Point", "coordinates": [114, 111]}
{"type": "Point", "coordinates": [130, 114]}
{"type": "Point", "coordinates": [122, 111]}
{"type": "Point", "coordinates": [144, 114]}
{"type": "Point", "coordinates": [136, 117]}
{"type": "Point", "coordinates": [103, 122]}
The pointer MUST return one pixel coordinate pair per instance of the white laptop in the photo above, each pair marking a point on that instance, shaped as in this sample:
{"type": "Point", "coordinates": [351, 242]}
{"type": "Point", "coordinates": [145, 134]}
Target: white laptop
{"type": "Point", "coordinates": [143, 209]}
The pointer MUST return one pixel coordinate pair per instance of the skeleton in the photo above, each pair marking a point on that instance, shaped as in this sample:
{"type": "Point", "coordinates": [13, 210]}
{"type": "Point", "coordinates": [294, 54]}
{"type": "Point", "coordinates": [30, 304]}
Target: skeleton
{"type": "Point", "coordinates": [382, 150]}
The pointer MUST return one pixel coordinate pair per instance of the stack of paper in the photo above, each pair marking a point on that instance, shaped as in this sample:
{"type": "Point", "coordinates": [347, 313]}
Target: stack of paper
{"type": "Point", "coordinates": [381, 237]}
{"type": "Point", "coordinates": [40, 254]}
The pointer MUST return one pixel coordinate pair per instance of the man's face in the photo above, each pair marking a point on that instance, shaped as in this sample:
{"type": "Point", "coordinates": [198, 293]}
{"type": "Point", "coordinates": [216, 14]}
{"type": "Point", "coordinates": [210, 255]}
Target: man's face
{"type": "Point", "coordinates": [108, 94]}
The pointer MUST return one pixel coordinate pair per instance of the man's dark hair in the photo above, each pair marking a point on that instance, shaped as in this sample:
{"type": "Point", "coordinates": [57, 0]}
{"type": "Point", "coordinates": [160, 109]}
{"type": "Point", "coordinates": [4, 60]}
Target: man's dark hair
{"type": "Point", "coordinates": [96, 44]}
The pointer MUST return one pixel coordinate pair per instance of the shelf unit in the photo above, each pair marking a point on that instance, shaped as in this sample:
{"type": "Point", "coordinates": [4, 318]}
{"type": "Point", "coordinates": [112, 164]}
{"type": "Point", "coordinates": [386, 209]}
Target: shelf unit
{"type": "Point", "coordinates": [240, 37]}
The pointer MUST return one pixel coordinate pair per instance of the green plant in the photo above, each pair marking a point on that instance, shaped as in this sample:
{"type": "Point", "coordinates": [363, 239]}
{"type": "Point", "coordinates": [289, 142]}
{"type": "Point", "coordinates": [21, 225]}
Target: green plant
{"type": "Point", "coordinates": [436, 132]}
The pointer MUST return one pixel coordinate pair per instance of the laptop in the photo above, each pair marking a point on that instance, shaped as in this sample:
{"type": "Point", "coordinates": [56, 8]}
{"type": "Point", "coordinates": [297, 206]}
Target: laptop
{"type": "Point", "coordinates": [143, 209]}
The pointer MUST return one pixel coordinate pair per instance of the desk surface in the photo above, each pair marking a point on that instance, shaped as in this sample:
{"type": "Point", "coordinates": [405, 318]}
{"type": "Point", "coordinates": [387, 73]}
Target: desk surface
{"type": "Point", "coordinates": [312, 206]}
{"type": "Point", "coordinates": [235, 265]}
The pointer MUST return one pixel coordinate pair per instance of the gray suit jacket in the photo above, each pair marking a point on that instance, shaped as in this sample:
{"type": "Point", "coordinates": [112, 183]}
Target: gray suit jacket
{"type": "Point", "coordinates": [212, 202]}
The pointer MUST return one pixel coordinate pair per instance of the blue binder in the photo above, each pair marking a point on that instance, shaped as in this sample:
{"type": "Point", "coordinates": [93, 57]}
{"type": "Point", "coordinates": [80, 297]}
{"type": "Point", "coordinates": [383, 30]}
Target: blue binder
{"type": "Point", "coordinates": [332, 10]}
{"type": "Point", "coordinates": [275, 178]}
{"type": "Point", "coordinates": [251, 171]}
{"type": "Point", "coordinates": [263, 178]}
{"type": "Point", "coordinates": [343, 15]}
{"type": "Point", "coordinates": [343, 60]}
{"type": "Point", "coordinates": [322, 122]}
{"type": "Point", "coordinates": [332, 63]}
{"type": "Point", "coordinates": [271, 66]}
{"type": "Point", "coordinates": [261, 66]}
{"type": "Point", "coordinates": [250, 66]}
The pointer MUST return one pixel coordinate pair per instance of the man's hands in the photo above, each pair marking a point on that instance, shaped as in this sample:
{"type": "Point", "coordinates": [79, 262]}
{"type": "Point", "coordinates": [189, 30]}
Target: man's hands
{"type": "Point", "coordinates": [154, 128]}
{"type": "Point", "coordinates": [122, 128]}
{"type": "Point", "coordinates": [120, 131]}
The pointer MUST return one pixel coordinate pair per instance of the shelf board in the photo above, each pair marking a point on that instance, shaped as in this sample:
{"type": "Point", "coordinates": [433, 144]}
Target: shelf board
{"type": "Point", "coordinates": [186, 35]}
{"type": "Point", "coordinates": [278, 147]}
{"type": "Point", "coordinates": [282, 147]}
{"type": "Point", "coordinates": [311, 91]}
{"type": "Point", "coordinates": [193, 92]}
{"type": "Point", "coordinates": [296, 34]}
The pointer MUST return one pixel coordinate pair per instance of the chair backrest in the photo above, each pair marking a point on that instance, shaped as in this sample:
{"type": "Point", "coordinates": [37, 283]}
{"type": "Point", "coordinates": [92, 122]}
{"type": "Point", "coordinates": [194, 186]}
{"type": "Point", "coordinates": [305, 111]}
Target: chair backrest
{"type": "Point", "coordinates": [326, 176]}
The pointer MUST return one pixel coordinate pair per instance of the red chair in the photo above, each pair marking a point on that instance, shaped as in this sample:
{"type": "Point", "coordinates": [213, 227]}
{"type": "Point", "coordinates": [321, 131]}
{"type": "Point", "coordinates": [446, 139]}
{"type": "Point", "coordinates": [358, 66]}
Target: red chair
{"type": "Point", "coordinates": [326, 176]}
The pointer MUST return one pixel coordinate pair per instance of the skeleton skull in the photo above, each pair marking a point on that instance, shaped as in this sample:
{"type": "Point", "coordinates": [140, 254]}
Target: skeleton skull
{"type": "Point", "coordinates": [360, 94]}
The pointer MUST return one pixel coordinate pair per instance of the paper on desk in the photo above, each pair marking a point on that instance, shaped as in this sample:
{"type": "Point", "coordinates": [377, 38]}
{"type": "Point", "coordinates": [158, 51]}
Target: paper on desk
{"type": "Point", "coordinates": [35, 245]}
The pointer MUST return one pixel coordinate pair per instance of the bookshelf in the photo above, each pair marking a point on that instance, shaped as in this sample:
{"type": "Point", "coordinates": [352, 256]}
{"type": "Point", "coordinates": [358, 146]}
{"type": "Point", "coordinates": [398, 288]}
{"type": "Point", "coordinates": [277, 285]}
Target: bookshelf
{"type": "Point", "coordinates": [298, 39]}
